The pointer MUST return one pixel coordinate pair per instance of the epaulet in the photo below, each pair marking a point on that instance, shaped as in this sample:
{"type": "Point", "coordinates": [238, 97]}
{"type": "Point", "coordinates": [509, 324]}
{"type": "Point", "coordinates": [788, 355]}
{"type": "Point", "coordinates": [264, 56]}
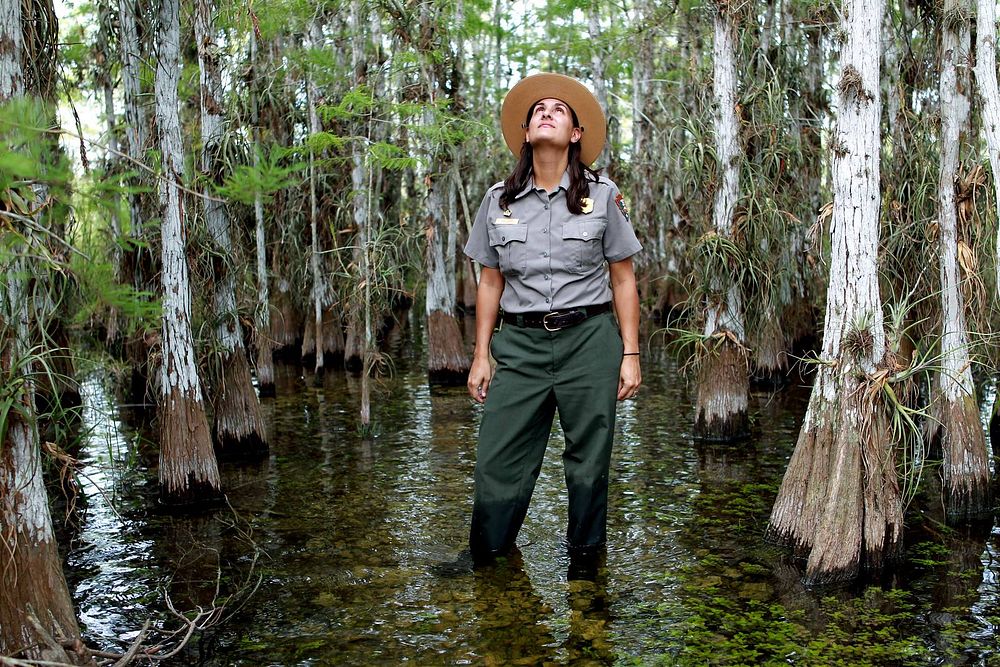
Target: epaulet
{"type": "Point", "coordinates": [604, 180]}
{"type": "Point", "coordinates": [496, 186]}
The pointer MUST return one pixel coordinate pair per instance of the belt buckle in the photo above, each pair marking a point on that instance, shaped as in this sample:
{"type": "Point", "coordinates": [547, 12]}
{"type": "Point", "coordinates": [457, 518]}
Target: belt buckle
{"type": "Point", "coordinates": [545, 320]}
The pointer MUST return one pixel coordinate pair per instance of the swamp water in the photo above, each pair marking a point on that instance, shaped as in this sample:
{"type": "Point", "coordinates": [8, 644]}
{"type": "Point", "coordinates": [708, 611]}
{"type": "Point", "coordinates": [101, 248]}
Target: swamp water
{"type": "Point", "coordinates": [345, 549]}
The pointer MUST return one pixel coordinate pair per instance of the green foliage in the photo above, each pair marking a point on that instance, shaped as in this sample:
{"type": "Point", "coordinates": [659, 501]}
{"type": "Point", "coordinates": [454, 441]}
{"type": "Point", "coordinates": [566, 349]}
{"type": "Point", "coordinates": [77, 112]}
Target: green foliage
{"type": "Point", "coordinates": [321, 141]}
{"type": "Point", "coordinates": [25, 152]}
{"type": "Point", "coordinates": [355, 103]}
{"type": "Point", "coordinates": [390, 157]}
{"type": "Point", "coordinates": [272, 174]}
{"type": "Point", "coordinates": [101, 293]}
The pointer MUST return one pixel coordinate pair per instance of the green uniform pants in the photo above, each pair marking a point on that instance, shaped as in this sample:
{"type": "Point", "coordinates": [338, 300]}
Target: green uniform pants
{"type": "Point", "coordinates": [574, 371]}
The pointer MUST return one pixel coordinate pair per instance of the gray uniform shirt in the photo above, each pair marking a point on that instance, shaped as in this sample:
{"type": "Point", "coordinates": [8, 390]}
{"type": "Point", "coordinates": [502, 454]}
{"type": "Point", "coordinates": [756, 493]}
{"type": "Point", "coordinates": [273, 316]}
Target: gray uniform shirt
{"type": "Point", "coordinates": [550, 258]}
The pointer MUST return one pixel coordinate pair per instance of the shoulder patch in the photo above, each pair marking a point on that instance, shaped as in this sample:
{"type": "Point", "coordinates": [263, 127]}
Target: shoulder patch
{"type": "Point", "coordinates": [620, 201]}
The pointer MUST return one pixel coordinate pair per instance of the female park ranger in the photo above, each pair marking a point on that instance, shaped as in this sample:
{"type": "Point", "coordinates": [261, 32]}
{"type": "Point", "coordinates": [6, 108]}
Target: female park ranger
{"type": "Point", "coordinates": [543, 309]}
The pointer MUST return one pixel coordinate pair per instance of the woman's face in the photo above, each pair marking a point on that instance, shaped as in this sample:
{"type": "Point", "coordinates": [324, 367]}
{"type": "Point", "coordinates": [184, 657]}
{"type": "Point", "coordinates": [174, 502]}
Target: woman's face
{"type": "Point", "coordinates": [551, 122]}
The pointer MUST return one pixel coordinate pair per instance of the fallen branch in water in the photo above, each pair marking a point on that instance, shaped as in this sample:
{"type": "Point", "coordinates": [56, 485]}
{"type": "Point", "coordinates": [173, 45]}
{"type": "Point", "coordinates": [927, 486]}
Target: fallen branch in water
{"type": "Point", "coordinates": [153, 645]}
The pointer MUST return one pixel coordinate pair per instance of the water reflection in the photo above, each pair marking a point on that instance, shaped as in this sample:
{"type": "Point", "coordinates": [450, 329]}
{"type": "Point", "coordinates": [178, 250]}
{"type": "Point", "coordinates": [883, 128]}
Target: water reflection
{"type": "Point", "coordinates": [360, 542]}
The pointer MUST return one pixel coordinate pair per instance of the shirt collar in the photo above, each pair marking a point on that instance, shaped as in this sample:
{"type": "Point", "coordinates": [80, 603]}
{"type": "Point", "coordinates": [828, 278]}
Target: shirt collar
{"type": "Point", "coordinates": [530, 185]}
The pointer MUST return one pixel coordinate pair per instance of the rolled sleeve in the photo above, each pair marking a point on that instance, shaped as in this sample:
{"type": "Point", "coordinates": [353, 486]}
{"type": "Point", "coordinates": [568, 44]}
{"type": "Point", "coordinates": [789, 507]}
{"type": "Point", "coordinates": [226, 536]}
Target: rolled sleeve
{"type": "Point", "coordinates": [620, 241]}
{"type": "Point", "coordinates": [478, 247]}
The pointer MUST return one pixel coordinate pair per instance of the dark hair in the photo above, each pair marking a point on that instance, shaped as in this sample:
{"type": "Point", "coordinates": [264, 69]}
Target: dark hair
{"type": "Point", "coordinates": [580, 175]}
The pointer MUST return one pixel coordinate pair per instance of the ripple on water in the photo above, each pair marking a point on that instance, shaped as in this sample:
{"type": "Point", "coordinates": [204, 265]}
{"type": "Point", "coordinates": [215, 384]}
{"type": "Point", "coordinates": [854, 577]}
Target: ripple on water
{"type": "Point", "coordinates": [361, 542]}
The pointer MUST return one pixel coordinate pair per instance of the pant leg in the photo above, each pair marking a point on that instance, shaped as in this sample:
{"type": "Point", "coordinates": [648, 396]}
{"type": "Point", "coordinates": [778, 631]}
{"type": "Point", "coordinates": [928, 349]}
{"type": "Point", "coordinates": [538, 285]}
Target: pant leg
{"type": "Point", "coordinates": [588, 367]}
{"type": "Point", "coordinates": [514, 431]}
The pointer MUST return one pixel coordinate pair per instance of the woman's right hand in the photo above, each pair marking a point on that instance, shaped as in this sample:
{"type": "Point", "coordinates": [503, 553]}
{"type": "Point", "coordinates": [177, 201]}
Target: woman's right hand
{"type": "Point", "coordinates": [480, 376]}
{"type": "Point", "coordinates": [491, 284]}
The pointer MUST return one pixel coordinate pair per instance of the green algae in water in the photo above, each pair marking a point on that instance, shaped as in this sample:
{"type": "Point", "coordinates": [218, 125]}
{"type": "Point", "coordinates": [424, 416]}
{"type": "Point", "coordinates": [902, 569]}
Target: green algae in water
{"type": "Point", "coordinates": [354, 533]}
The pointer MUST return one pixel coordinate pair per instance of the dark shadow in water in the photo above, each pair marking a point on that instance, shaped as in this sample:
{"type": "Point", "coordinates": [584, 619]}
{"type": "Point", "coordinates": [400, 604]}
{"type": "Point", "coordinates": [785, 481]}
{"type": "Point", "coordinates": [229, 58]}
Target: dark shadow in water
{"type": "Point", "coordinates": [511, 618]}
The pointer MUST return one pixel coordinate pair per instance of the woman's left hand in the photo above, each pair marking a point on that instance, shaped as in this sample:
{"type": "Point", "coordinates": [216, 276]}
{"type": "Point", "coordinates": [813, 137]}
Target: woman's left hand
{"type": "Point", "coordinates": [629, 378]}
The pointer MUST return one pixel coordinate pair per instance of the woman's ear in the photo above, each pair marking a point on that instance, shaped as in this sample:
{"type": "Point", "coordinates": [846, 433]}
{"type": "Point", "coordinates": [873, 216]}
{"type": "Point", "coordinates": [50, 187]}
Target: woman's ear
{"type": "Point", "coordinates": [576, 135]}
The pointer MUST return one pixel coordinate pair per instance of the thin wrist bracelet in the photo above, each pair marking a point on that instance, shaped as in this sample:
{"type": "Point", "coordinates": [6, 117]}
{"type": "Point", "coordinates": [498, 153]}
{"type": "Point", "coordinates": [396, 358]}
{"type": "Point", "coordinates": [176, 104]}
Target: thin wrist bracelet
{"type": "Point", "coordinates": [630, 354]}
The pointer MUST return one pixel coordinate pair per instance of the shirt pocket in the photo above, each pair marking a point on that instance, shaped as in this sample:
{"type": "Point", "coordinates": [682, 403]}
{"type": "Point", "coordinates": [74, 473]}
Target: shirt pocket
{"type": "Point", "coordinates": [510, 242]}
{"type": "Point", "coordinates": [584, 244]}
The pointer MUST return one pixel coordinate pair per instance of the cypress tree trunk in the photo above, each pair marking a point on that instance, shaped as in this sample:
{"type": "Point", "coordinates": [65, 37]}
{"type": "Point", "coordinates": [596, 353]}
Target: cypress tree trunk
{"type": "Point", "coordinates": [672, 220]}
{"type": "Point", "coordinates": [362, 222]}
{"type": "Point", "coordinates": [447, 361]}
{"type": "Point", "coordinates": [839, 501]}
{"type": "Point", "coordinates": [318, 283]}
{"type": "Point", "coordinates": [723, 384]}
{"type": "Point", "coordinates": [597, 75]}
{"type": "Point", "coordinates": [770, 359]}
{"type": "Point", "coordinates": [104, 80]}
{"type": "Point", "coordinates": [286, 315]}
{"type": "Point", "coordinates": [238, 427]}
{"type": "Point", "coordinates": [989, 94]}
{"type": "Point", "coordinates": [262, 316]}
{"type": "Point", "coordinates": [188, 469]}
{"type": "Point", "coordinates": [137, 269]}
{"type": "Point", "coordinates": [643, 149]}
{"type": "Point", "coordinates": [11, 52]}
{"type": "Point", "coordinates": [31, 577]}
{"type": "Point", "coordinates": [965, 467]}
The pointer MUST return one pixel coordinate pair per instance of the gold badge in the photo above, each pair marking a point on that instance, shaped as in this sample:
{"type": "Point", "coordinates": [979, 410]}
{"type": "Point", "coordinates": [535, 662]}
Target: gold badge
{"type": "Point", "coordinates": [506, 212]}
{"type": "Point", "coordinates": [588, 204]}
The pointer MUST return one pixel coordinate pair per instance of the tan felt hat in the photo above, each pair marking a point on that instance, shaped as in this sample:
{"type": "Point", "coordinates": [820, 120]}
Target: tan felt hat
{"type": "Point", "coordinates": [536, 87]}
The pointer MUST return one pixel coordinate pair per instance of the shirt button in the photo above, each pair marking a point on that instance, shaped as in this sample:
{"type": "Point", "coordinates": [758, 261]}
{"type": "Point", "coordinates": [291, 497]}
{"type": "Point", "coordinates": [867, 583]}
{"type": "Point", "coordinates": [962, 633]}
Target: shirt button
{"type": "Point", "coordinates": [545, 254]}
{"type": "Point", "coordinates": [585, 235]}
{"type": "Point", "coordinates": [546, 300]}
{"type": "Point", "coordinates": [503, 238]}
{"type": "Point", "coordinates": [545, 230]}
{"type": "Point", "coordinates": [546, 276]}
{"type": "Point", "coordinates": [546, 207]}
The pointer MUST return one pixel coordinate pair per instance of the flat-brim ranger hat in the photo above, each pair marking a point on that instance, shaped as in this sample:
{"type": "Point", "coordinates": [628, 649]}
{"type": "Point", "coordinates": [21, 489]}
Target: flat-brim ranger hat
{"type": "Point", "coordinates": [536, 87]}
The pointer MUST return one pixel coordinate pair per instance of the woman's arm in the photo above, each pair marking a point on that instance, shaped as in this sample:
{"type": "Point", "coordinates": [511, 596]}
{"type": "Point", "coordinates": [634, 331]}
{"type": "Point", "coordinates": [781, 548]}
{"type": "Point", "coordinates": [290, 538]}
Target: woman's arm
{"type": "Point", "coordinates": [491, 283]}
{"type": "Point", "coordinates": [626, 298]}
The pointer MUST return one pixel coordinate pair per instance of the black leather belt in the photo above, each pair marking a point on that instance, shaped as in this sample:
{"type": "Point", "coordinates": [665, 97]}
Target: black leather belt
{"type": "Point", "coordinates": [557, 319]}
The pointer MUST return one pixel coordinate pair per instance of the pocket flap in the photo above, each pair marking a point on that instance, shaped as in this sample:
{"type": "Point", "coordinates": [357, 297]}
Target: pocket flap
{"type": "Point", "coordinates": [584, 230]}
{"type": "Point", "coordinates": [504, 234]}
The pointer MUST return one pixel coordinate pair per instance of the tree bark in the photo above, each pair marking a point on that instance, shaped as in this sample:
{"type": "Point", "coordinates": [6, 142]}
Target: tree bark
{"type": "Point", "coordinates": [597, 75]}
{"type": "Point", "coordinates": [770, 367]}
{"type": "Point", "coordinates": [31, 578]}
{"type": "Point", "coordinates": [965, 466]}
{"type": "Point", "coordinates": [723, 383]}
{"type": "Point", "coordinates": [649, 263]}
{"type": "Point", "coordinates": [447, 361]}
{"type": "Point", "coordinates": [989, 95]}
{"type": "Point", "coordinates": [361, 205]}
{"type": "Point", "coordinates": [319, 288]}
{"type": "Point", "coordinates": [31, 569]}
{"type": "Point", "coordinates": [839, 501]}
{"type": "Point", "coordinates": [238, 427]}
{"type": "Point", "coordinates": [11, 51]}
{"type": "Point", "coordinates": [104, 80]}
{"type": "Point", "coordinates": [287, 321]}
{"type": "Point", "coordinates": [188, 469]}
{"type": "Point", "coordinates": [137, 262]}
{"type": "Point", "coordinates": [262, 315]}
